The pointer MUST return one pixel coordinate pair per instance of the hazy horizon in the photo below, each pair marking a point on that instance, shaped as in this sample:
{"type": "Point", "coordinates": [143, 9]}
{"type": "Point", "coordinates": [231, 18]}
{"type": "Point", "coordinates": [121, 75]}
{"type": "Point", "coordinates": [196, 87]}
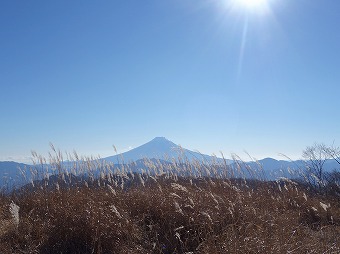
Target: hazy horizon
{"type": "Point", "coordinates": [172, 152]}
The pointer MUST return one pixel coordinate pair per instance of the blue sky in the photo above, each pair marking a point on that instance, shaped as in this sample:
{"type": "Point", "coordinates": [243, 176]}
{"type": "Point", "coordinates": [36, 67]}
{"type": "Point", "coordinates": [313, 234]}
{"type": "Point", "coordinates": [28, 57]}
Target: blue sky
{"type": "Point", "coordinates": [207, 74]}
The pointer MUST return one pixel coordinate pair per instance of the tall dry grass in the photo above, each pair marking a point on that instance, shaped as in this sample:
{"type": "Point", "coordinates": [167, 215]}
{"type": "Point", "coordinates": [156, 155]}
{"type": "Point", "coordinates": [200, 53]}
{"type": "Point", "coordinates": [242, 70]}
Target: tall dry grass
{"type": "Point", "coordinates": [89, 206]}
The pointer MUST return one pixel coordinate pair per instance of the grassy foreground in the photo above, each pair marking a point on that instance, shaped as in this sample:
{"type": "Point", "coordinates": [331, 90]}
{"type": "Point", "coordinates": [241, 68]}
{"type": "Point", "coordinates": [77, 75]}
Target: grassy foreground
{"type": "Point", "coordinates": [165, 213]}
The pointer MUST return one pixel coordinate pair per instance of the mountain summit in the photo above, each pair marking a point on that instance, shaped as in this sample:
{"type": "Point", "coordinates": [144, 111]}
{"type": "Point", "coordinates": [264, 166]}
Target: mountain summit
{"type": "Point", "coordinates": [159, 148]}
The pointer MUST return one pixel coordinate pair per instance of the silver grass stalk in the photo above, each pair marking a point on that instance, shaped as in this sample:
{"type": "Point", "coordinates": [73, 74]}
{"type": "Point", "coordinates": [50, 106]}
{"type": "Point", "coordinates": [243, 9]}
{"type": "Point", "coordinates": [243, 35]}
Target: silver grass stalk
{"type": "Point", "coordinates": [14, 210]}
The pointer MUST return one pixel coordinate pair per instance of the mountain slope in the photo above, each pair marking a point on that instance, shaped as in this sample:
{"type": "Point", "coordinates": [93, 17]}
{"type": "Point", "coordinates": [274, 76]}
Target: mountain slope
{"type": "Point", "coordinates": [10, 173]}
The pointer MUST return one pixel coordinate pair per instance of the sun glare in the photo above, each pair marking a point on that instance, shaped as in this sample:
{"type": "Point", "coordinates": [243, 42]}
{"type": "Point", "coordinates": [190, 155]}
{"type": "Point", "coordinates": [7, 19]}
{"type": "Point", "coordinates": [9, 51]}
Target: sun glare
{"type": "Point", "coordinates": [252, 5]}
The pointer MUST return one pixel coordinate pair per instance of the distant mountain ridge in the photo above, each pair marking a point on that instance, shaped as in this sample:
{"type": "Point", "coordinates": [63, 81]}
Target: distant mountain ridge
{"type": "Point", "coordinates": [10, 173]}
{"type": "Point", "coordinates": [166, 151]}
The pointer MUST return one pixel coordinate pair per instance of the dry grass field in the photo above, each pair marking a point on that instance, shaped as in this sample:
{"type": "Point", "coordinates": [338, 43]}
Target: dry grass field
{"type": "Point", "coordinates": [122, 212]}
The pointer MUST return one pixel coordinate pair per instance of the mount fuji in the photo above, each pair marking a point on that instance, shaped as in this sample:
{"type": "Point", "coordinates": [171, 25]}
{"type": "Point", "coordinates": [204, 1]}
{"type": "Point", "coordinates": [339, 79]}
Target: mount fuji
{"type": "Point", "coordinates": [162, 149]}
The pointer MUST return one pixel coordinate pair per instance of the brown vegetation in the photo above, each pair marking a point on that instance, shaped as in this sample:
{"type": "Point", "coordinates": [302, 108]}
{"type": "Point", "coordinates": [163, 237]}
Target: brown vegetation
{"type": "Point", "coordinates": [163, 212]}
{"type": "Point", "coordinates": [170, 215]}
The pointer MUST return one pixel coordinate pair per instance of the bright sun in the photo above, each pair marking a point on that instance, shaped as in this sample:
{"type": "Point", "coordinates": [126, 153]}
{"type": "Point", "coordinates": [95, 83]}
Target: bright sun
{"type": "Point", "coordinates": [252, 4]}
